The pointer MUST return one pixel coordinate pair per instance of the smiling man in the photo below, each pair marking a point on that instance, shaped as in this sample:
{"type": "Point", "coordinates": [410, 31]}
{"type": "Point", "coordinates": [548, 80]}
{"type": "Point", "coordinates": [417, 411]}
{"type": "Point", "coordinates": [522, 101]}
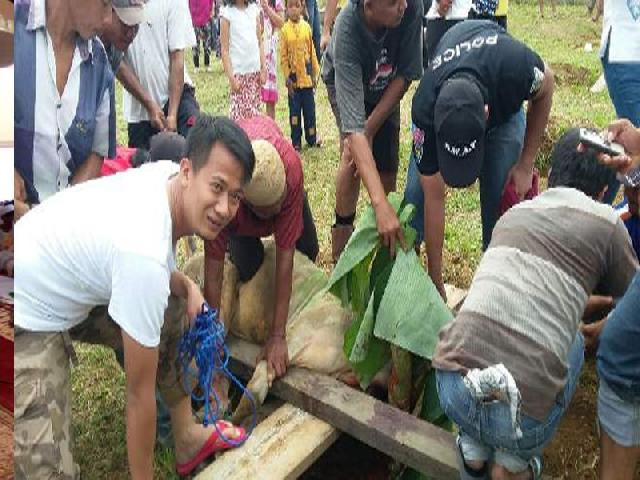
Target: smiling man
{"type": "Point", "coordinates": [100, 257]}
{"type": "Point", "coordinates": [375, 52]}
{"type": "Point", "coordinates": [274, 203]}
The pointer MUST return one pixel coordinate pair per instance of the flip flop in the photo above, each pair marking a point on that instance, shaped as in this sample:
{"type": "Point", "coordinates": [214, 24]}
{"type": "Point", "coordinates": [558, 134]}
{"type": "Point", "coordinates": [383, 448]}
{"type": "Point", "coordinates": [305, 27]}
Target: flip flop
{"type": "Point", "coordinates": [214, 443]}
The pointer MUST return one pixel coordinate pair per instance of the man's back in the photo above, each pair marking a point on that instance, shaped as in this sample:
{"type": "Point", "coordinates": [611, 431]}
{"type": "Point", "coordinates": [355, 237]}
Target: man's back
{"type": "Point", "coordinates": [546, 257]}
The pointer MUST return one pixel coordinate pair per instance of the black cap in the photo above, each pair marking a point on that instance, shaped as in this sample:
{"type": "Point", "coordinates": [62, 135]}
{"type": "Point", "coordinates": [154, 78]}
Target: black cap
{"type": "Point", "coordinates": [460, 123]}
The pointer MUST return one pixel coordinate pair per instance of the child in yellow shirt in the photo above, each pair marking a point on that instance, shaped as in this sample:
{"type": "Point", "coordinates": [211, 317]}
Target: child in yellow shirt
{"type": "Point", "coordinates": [301, 70]}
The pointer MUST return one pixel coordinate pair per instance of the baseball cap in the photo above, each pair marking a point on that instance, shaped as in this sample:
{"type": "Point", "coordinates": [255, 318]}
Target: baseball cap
{"type": "Point", "coordinates": [269, 179]}
{"type": "Point", "coordinates": [460, 123]}
{"type": "Point", "coordinates": [131, 12]}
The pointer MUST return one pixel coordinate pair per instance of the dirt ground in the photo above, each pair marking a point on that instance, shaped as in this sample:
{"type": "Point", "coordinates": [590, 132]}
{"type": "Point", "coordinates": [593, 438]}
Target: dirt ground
{"type": "Point", "coordinates": [573, 453]}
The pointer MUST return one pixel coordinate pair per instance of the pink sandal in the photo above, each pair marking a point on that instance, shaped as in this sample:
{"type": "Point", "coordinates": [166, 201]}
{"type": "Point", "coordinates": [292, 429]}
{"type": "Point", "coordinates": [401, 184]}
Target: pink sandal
{"type": "Point", "coordinates": [214, 443]}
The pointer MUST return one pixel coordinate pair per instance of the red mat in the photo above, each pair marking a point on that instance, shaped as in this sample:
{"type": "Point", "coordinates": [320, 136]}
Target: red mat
{"type": "Point", "coordinates": [6, 373]}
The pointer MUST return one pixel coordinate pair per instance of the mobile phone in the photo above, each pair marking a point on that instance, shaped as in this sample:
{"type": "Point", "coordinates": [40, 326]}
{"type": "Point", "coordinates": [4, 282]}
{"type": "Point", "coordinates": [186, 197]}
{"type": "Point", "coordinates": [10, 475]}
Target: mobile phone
{"type": "Point", "coordinates": [593, 139]}
{"type": "Point", "coordinates": [631, 178]}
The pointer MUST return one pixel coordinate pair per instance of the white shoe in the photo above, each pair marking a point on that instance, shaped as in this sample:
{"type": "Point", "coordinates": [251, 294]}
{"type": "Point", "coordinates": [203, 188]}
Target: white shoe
{"type": "Point", "coordinates": [208, 69]}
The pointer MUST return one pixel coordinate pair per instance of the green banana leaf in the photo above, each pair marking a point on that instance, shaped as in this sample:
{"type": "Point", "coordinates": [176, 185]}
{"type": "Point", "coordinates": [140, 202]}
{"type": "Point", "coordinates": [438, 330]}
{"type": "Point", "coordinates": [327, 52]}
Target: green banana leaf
{"type": "Point", "coordinates": [411, 312]}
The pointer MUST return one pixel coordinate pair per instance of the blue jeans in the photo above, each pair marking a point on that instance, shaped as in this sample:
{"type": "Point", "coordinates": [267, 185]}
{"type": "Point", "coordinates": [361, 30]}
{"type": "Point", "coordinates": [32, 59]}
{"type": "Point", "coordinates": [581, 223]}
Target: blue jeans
{"type": "Point", "coordinates": [502, 151]}
{"type": "Point", "coordinates": [618, 358]}
{"type": "Point", "coordinates": [314, 21]}
{"type": "Point", "coordinates": [302, 103]}
{"type": "Point", "coordinates": [490, 423]}
{"type": "Point", "coordinates": [623, 82]}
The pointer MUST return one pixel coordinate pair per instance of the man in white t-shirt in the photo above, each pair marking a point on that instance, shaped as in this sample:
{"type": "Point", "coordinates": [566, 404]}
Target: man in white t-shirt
{"type": "Point", "coordinates": [92, 256]}
{"type": "Point", "coordinates": [156, 57]}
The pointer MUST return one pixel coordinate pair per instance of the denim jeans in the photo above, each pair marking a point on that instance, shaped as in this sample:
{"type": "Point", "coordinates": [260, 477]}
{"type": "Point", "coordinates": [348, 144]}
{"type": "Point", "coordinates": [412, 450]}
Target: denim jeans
{"type": "Point", "coordinates": [502, 151]}
{"type": "Point", "coordinates": [618, 358]}
{"type": "Point", "coordinates": [302, 104]}
{"type": "Point", "coordinates": [314, 22]}
{"type": "Point", "coordinates": [490, 423]}
{"type": "Point", "coordinates": [623, 83]}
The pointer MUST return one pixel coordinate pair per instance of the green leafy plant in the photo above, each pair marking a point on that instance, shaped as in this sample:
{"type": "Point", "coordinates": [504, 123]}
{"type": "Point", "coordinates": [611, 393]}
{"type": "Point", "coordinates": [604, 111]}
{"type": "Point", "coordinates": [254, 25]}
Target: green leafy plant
{"type": "Point", "coordinates": [393, 299]}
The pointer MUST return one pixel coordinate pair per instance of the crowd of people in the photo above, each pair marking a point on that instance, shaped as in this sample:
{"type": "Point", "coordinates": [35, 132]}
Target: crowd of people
{"type": "Point", "coordinates": [97, 262]}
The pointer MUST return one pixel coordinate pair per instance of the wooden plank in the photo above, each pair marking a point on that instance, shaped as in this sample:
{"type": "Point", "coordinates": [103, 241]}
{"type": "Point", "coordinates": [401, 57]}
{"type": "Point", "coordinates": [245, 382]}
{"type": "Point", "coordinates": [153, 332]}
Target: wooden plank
{"type": "Point", "coordinates": [281, 447]}
{"type": "Point", "coordinates": [412, 441]}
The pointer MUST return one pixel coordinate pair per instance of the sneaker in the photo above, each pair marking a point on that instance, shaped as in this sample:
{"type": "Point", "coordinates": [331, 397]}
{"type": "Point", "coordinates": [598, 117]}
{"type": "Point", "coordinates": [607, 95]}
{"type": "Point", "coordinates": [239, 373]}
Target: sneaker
{"type": "Point", "coordinates": [466, 473]}
{"type": "Point", "coordinates": [535, 464]}
{"type": "Point", "coordinates": [208, 69]}
{"type": "Point", "coordinates": [196, 69]}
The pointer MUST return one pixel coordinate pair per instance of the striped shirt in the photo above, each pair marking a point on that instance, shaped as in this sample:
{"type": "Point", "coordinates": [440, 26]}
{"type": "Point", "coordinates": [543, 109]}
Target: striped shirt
{"type": "Point", "coordinates": [55, 134]}
{"type": "Point", "coordinates": [546, 257]}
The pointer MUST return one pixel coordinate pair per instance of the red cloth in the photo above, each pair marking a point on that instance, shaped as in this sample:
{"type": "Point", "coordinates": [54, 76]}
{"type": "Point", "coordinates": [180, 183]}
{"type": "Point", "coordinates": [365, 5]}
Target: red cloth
{"type": "Point", "coordinates": [510, 197]}
{"type": "Point", "coordinates": [6, 373]}
{"type": "Point", "coordinates": [286, 225]}
{"type": "Point", "coordinates": [121, 163]}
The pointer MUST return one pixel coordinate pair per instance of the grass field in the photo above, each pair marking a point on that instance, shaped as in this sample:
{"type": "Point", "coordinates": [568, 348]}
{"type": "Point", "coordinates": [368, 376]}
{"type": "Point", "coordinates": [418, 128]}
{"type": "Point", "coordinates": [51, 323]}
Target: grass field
{"type": "Point", "coordinates": [98, 383]}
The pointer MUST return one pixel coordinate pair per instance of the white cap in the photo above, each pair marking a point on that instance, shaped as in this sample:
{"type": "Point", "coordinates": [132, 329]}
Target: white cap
{"type": "Point", "coordinates": [268, 181]}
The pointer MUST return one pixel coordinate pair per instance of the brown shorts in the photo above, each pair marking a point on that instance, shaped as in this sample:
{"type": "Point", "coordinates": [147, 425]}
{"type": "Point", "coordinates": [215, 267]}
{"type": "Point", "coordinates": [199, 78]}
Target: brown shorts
{"type": "Point", "coordinates": [386, 143]}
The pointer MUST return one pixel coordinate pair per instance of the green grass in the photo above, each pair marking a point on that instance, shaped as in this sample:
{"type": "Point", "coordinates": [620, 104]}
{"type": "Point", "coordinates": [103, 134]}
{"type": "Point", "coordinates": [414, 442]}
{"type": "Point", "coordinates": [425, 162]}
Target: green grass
{"type": "Point", "coordinates": [98, 383]}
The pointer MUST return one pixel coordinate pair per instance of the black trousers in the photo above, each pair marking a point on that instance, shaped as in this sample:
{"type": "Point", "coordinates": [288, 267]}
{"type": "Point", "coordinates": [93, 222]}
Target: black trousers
{"type": "Point", "coordinates": [140, 133]}
{"type": "Point", "coordinates": [247, 253]}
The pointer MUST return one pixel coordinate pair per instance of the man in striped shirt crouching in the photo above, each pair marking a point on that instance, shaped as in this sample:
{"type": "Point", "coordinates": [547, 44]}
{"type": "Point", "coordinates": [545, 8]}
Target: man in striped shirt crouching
{"type": "Point", "coordinates": [509, 364]}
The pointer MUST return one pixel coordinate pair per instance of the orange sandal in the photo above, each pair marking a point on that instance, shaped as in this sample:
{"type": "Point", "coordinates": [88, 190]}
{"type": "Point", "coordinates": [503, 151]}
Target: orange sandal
{"type": "Point", "coordinates": [214, 443]}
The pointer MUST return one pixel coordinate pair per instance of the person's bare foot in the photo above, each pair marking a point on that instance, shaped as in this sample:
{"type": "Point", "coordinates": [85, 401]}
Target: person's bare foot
{"type": "Point", "coordinates": [192, 442]}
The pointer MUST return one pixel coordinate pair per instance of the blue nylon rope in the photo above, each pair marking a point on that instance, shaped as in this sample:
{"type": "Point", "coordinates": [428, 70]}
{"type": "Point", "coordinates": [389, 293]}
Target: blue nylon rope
{"type": "Point", "coordinates": [204, 343]}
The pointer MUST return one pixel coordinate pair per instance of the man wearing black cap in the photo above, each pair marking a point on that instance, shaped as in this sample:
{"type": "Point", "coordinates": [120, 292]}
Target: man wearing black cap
{"type": "Point", "coordinates": [470, 125]}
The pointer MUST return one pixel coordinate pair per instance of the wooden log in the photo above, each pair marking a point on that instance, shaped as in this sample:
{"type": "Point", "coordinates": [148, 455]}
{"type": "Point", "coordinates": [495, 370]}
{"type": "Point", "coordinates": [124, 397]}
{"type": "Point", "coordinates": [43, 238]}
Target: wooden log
{"type": "Point", "coordinates": [412, 441]}
{"type": "Point", "coordinates": [281, 447]}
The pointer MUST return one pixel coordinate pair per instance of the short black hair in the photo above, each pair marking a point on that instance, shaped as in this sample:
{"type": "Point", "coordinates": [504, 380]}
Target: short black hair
{"type": "Point", "coordinates": [579, 170]}
{"type": "Point", "coordinates": [209, 130]}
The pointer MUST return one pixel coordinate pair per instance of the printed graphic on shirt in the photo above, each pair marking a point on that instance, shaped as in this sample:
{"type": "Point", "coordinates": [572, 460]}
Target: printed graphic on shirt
{"type": "Point", "coordinates": [418, 144]}
{"type": "Point", "coordinates": [383, 73]}
{"type": "Point", "coordinates": [463, 48]}
{"type": "Point", "coordinates": [538, 77]}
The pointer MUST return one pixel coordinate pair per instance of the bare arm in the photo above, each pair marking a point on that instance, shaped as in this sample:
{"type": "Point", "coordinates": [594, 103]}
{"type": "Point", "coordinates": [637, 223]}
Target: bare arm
{"type": "Point", "coordinates": [330, 11]}
{"type": "Point", "coordinates": [89, 169]}
{"type": "Point", "coordinates": [284, 279]}
{"type": "Point", "coordinates": [387, 104]}
{"type": "Point", "coordinates": [386, 217]}
{"type": "Point", "coordinates": [275, 350]}
{"type": "Point", "coordinates": [130, 82]}
{"type": "Point", "coordinates": [176, 85]}
{"type": "Point", "coordinates": [183, 287]}
{"type": "Point", "coordinates": [275, 17]}
{"type": "Point", "coordinates": [434, 208]}
{"type": "Point", "coordinates": [224, 51]}
{"type": "Point", "coordinates": [263, 68]}
{"type": "Point", "coordinates": [140, 366]}
{"type": "Point", "coordinates": [537, 117]}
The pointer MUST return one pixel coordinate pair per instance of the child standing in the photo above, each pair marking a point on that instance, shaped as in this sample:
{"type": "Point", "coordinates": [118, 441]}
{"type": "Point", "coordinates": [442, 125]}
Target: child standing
{"type": "Point", "coordinates": [300, 67]}
{"type": "Point", "coordinates": [201, 12]}
{"type": "Point", "coordinates": [242, 56]}
{"type": "Point", "coordinates": [272, 20]}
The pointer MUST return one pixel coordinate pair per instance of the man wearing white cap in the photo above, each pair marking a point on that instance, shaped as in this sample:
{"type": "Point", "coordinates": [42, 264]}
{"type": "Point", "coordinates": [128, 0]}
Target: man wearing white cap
{"type": "Point", "coordinates": [116, 36]}
{"type": "Point", "coordinates": [156, 57]}
{"type": "Point", "coordinates": [274, 203]}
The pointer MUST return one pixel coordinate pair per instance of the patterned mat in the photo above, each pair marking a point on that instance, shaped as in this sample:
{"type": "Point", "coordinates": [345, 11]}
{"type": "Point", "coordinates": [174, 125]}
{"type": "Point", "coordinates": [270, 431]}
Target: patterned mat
{"type": "Point", "coordinates": [6, 444]}
{"type": "Point", "coordinates": [6, 321]}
